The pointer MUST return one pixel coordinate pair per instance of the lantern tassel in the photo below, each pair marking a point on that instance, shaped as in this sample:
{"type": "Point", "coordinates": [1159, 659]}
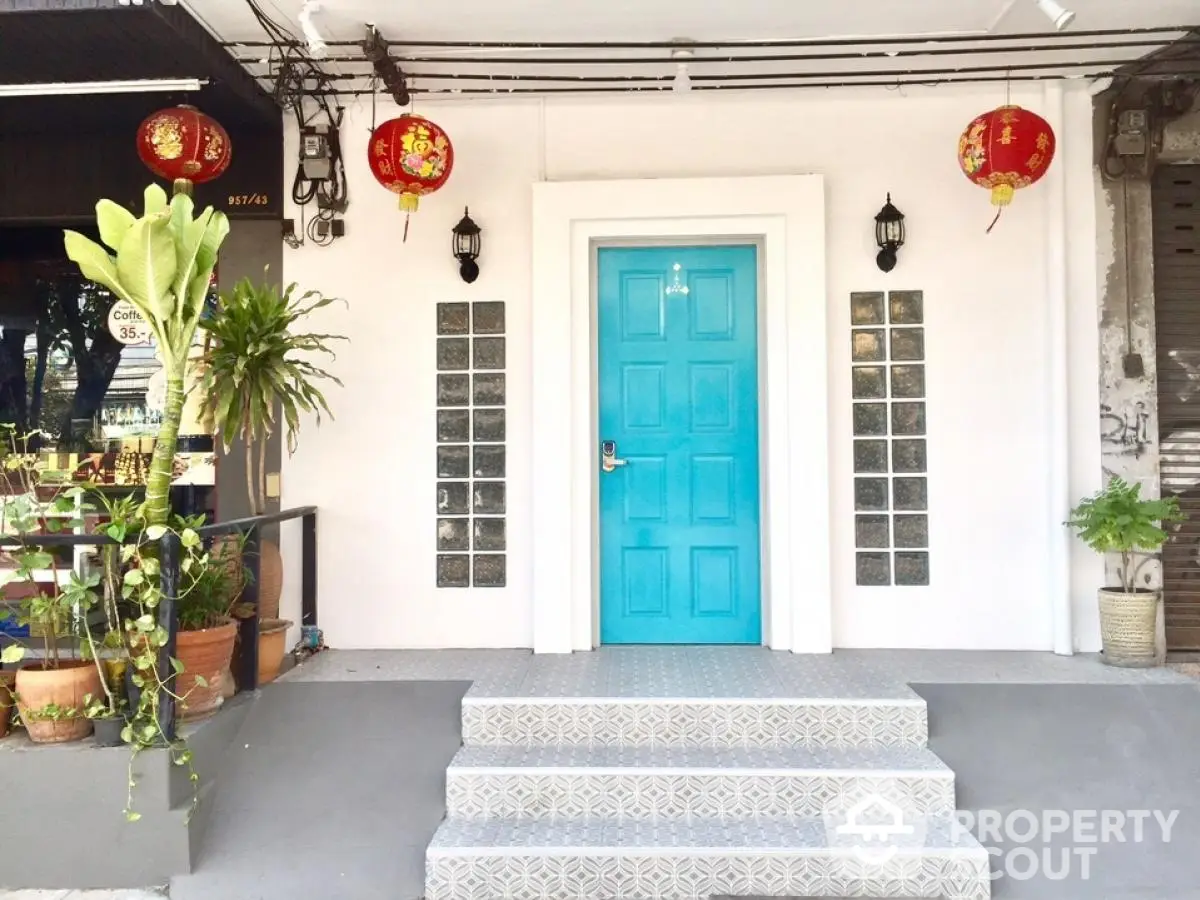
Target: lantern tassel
{"type": "Point", "coordinates": [1002, 195]}
{"type": "Point", "coordinates": [404, 240]}
{"type": "Point", "coordinates": [995, 220]}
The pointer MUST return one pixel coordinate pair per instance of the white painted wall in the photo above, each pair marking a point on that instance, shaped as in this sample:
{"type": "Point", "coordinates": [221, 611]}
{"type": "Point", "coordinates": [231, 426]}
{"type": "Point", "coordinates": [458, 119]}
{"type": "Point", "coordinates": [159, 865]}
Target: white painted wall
{"type": "Point", "coordinates": [372, 470]}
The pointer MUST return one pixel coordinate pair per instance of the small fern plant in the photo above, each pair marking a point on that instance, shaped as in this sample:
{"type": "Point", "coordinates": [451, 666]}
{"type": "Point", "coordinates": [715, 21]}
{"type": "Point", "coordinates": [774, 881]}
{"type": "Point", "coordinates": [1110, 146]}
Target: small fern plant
{"type": "Point", "coordinates": [1118, 519]}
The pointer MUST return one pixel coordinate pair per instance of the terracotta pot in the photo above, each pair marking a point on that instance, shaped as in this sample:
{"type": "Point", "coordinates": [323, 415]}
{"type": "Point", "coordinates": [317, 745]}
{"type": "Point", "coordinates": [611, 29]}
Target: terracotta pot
{"type": "Point", "coordinates": [270, 580]}
{"type": "Point", "coordinates": [271, 635]}
{"type": "Point", "coordinates": [66, 686]}
{"type": "Point", "coordinates": [8, 683]}
{"type": "Point", "coordinates": [205, 653]}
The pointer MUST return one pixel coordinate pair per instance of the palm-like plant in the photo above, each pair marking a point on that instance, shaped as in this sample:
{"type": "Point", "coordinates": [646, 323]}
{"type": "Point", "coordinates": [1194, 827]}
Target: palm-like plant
{"type": "Point", "coordinates": [161, 263]}
{"type": "Point", "coordinates": [256, 361]}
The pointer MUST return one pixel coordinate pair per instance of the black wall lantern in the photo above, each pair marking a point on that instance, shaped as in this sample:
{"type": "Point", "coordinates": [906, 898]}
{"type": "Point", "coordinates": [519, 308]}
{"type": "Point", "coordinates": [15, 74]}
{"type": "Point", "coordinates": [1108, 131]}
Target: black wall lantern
{"type": "Point", "coordinates": [889, 235]}
{"type": "Point", "coordinates": [466, 247]}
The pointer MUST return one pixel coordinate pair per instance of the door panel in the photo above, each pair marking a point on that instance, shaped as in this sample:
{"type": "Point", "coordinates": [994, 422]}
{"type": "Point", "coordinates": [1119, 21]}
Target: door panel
{"type": "Point", "coordinates": [678, 395]}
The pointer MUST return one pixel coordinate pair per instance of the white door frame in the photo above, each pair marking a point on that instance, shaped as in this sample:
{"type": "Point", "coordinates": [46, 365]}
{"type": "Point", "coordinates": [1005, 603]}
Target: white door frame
{"type": "Point", "coordinates": [785, 215]}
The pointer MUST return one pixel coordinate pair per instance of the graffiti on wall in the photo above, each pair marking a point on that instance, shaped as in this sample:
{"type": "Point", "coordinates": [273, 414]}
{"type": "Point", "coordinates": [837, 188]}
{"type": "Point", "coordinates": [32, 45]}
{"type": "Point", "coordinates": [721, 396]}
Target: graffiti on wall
{"type": "Point", "coordinates": [1125, 433]}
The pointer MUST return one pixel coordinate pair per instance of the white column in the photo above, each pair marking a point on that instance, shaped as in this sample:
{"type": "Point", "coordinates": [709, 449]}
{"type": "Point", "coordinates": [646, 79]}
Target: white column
{"type": "Point", "coordinates": [1058, 493]}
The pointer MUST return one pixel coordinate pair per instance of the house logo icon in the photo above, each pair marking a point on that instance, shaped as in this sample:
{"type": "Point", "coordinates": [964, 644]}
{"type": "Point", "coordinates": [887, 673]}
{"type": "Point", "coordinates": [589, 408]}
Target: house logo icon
{"type": "Point", "coordinates": [874, 829]}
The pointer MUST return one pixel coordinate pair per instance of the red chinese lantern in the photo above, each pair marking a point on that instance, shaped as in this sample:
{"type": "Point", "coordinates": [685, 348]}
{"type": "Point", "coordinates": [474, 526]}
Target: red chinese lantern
{"type": "Point", "coordinates": [1004, 150]}
{"type": "Point", "coordinates": [184, 146]}
{"type": "Point", "coordinates": [410, 156]}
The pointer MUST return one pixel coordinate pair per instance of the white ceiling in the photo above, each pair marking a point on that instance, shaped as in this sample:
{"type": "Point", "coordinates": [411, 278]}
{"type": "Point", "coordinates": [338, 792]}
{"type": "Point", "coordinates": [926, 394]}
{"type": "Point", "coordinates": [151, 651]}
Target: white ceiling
{"type": "Point", "coordinates": [706, 20]}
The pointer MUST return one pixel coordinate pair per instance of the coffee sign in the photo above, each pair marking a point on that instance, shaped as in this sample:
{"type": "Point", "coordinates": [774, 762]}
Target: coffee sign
{"type": "Point", "coordinates": [127, 324]}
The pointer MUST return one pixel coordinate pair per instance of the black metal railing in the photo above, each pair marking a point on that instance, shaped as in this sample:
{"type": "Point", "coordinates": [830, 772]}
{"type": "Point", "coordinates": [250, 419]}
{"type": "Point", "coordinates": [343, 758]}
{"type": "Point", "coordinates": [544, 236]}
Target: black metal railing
{"type": "Point", "coordinates": [170, 559]}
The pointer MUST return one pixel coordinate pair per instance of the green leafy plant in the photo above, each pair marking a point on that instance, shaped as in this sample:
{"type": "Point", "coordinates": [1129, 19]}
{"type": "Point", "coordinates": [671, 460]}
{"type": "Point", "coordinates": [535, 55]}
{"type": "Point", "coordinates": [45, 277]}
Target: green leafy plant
{"type": "Point", "coordinates": [257, 361]}
{"type": "Point", "coordinates": [161, 263]}
{"type": "Point", "coordinates": [1119, 520]}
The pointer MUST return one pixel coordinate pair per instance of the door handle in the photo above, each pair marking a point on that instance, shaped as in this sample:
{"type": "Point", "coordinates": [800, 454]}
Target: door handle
{"type": "Point", "coordinates": [608, 457]}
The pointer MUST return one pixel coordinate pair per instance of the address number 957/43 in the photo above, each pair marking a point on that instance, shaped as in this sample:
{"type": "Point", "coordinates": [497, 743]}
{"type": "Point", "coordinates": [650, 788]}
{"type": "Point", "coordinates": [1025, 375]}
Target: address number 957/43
{"type": "Point", "coordinates": [248, 200]}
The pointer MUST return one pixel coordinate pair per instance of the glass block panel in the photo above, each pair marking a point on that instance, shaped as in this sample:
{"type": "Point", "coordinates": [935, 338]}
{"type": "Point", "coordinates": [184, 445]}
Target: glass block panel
{"type": "Point", "coordinates": [489, 497]}
{"type": "Point", "coordinates": [489, 462]}
{"type": "Point", "coordinates": [871, 531]}
{"type": "Point", "coordinates": [489, 389]}
{"type": "Point", "coordinates": [867, 345]}
{"type": "Point", "coordinates": [910, 493]}
{"type": "Point", "coordinates": [453, 426]}
{"type": "Point", "coordinates": [866, 308]}
{"type": "Point", "coordinates": [453, 354]}
{"type": "Point", "coordinates": [489, 570]}
{"type": "Point", "coordinates": [870, 456]}
{"type": "Point", "coordinates": [453, 498]}
{"type": "Point", "coordinates": [453, 390]}
{"type": "Point", "coordinates": [908, 418]}
{"type": "Point", "coordinates": [908, 344]}
{"type": "Point", "coordinates": [906, 307]}
{"type": "Point", "coordinates": [869, 383]}
{"type": "Point", "coordinates": [873, 569]}
{"type": "Point", "coordinates": [490, 534]}
{"type": "Point", "coordinates": [453, 534]}
{"type": "Point", "coordinates": [912, 531]}
{"type": "Point", "coordinates": [488, 317]}
{"type": "Point", "coordinates": [454, 571]}
{"type": "Point", "coordinates": [489, 425]}
{"type": "Point", "coordinates": [452, 318]}
{"type": "Point", "coordinates": [908, 381]}
{"type": "Point", "coordinates": [870, 493]}
{"type": "Point", "coordinates": [489, 352]}
{"type": "Point", "coordinates": [912, 569]}
{"type": "Point", "coordinates": [454, 461]}
{"type": "Point", "coordinates": [870, 419]}
{"type": "Point", "coordinates": [908, 456]}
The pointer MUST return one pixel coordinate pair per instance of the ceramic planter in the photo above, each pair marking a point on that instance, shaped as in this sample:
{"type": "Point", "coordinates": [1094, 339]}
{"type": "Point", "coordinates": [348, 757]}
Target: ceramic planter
{"type": "Point", "coordinates": [205, 653]}
{"type": "Point", "coordinates": [271, 635]}
{"type": "Point", "coordinates": [64, 687]}
{"type": "Point", "coordinates": [1127, 627]}
{"type": "Point", "coordinates": [270, 580]}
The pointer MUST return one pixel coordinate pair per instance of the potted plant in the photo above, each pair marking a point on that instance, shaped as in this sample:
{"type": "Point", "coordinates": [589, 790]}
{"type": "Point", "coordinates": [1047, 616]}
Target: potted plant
{"type": "Point", "coordinates": [207, 605]}
{"type": "Point", "coordinates": [1119, 520]}
{"type": "Point", "coordinates": [259, 362]}
{"type": "Point", "coordinates": [8, 684]}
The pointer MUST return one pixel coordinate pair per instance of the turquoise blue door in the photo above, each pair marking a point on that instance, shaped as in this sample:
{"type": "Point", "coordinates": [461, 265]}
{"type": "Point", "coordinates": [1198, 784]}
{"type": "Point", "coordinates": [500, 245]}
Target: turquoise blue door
{"type": "Point", "coordinates": [678, 398]}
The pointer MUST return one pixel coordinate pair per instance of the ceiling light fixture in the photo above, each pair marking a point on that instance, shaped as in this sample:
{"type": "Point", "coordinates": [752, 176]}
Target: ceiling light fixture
{"type": "Point", "coordinates": [1054, 11]}
{"type": "Point", "coordinates": [317, 48]}
{"type": "Point", "coordinates": [682, 83]}
{"type": "Point", "coordinates": [59, 88]}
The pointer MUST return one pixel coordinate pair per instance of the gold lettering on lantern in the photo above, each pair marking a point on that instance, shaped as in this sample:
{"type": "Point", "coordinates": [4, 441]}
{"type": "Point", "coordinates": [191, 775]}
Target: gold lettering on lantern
{"type": "Point", "coordinates": [213, 147]}
{"type": "Point", "coordinates": [1035, 162]}
{"type": "Point", "coordinates": [385, 167]}
{"type": "Point", "coordinates": [1043, 141]}
{"type": "Point", "coordinates": [1006, 136]}
{"type": "Point", "coordinates": [166, 136]}
{"type": "Point", "coordinates": [381, 147]}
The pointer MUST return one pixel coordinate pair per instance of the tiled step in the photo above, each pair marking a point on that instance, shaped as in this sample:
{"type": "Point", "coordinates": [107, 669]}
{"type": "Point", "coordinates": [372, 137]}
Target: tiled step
{"type": "Point", "coordinates": [699, 722]}
{"type": "Point", "coordinates": [578, 859]}
{"type": "Point", "coordinates": [643, 783]}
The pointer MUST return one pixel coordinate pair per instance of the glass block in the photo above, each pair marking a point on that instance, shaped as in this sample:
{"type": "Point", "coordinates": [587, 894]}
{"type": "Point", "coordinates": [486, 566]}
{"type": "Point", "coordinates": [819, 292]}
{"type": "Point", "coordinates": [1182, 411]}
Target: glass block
{"type": "Point", "coordinates": [906, 307]}
{"type": "Point", "coordinates": [453, 390]}
{"type": "Point", "coordinates": [452, 318]}
{"type": "Point", "coordinates": [453, 534]}
{"type": "Point", "coordinates": [868, 383]}
{"type": "Point", "coordinates": [870, 493]}
{"type": "Point", "coordinates": [453, 426]}
{"type": "Point", "coordinates": [908, 418]}
{"type": "Point", "coordinates": [489, 462]}
{"type": "Point", "coordinates": [912, 531]}
{"type": "Point", "coordinates": [489, 425]}
{"type": "Point", "coordinates": [867, 345]}
{"type": "Point", "coordinates": [488, 352]}
{"type": "Point", "coordinates": [489, 389]}
{"type": "Point", "coordinates": [870, 456]}
{"type": "Point", "coordinates": [453, 498]}
{"type": "Point", "coordinates": [489, 570]}
{"type": "Point", "coordinates": [489, 497]}
{"type": "Point", "coordinates": [453, 354]}
{"type": "Point", "coordinates": [871, 531]}
{"type": "Point", "coordinates": [912, 569]}
{"type": "Point", "coordinates": [454, 461]}
{"type": "Point", "coordinates": [454, 571]}
{"type": "Point", "coordinates": [908, 456]}
{"type": "Point", "coordinates": [908, 381]}
{"type": "Point", "coordinates": [908, 344]}
{"type": "Point", "coordinates": [487, 317]}
{"type": "Point", "coordinates": [866, 308]}
{"type": "Point", "coordinates": [910, 493]}
{"type": "Point", "coordinates": [870, 419]}
{"type": "Point", "coordinates": [490, 534]}
{"type": "Point", "coordinates": [872, 569]}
